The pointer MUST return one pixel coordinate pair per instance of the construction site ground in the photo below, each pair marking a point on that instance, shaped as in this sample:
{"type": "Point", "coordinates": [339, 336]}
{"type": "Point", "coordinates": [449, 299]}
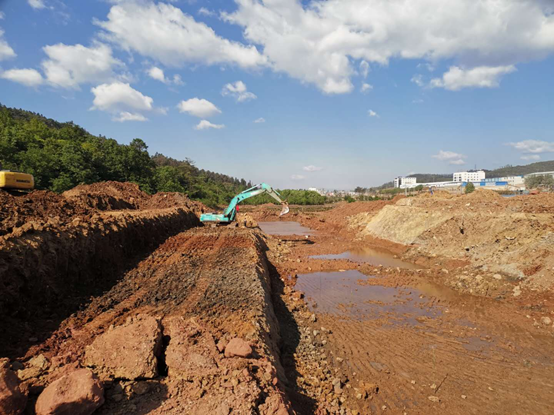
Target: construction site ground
{"type": "Point", "coordinates": [422, 305]}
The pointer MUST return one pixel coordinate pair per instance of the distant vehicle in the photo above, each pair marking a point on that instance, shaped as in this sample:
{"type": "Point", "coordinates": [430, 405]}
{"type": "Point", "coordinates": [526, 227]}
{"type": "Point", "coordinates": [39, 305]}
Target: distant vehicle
{"type": "Point", "coordinates": [14, 180]}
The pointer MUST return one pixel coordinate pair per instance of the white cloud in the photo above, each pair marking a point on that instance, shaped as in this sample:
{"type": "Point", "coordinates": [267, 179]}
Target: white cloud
{"type": "Point", "coordinates": [366, 88]}
{"type": "Point", "coordinates": [364, 68]}
{"type": "Point", "coordinates": [37, 4]}
{"type": "Point", "coordinates": [177, 80]}
{"type": "Point", "coordinates": [119, 97]}
{"type": "Point", "coordinates": [417, 101]}
{"type": "Point", "coordinates": [238, 91]}
{"type": "Point", "coordinates": [205, 124]}
{"type": "Point", "coordinates": [69, 66]}
{"type": "Point", "coordinates": [297, 177]}
{"type": "Point", "coordinates": [480, 77]}
{"type": "Point", "coordinates": [417, 79]}
{"type": "Point", "coordinates": [200, 108]}
{"type": "Point", "coordinates": [27, 77]}
{"type": "Point", "coordinates": [164, 33]}
{"type": "Point", "coordinates": [330, 37]}
{"type": "Point", "coordinates": [450, 156]}
{"type": "Point", "coordinates": [129, 116]}
{"type": "Point", "coordinates": [2, 15]}
{"type": "Point", "coordinates": [157, 74]}
{"type": "Point", "coordinates": [533, 146]}
{"type": "Point", "coordinates": [372, 113]}
{"type": "Point", "coordinates": [206, 12]}
{"type": "Point", "coordinates": [312, 168]}
{"type": "Point", "coordinates": [531, 157]}
{"type": "Point", "coordinates": [6, 52]}
{"type": "Point", "coordinates": [259, 120]}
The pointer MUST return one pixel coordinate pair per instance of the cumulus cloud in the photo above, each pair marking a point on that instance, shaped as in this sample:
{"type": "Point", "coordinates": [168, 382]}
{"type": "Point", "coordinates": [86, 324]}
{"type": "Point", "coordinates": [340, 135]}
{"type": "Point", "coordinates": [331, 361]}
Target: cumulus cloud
{"type": "Point", "coordinates": [372, 113]}
{"type": "Point", "coordinates": [27, 77]}
{"type": "Point", "coordinates": [6, 52]}
{"type": "Point", "coordinates": [239, 91]}
{"type": "Point", "coordinates": [158, 74]}
{"type": "Point", "coordinates": [119, 97]}
{"type": "Point", "coordinates": [297, 177]}
{"type": "Point", "coordinates": [37, 4]}
{"type": "Point", "coordinates": [205, 124]}
{"type": "Point", "coordinates": [366, 88]}
{"type": "Point", "coordinates": [481, 77]}
{"type": "Point", "coordinates": [533, 146]}
{"type": "Point", "coordinates": [259, 120]}
{"type": "Point", "coordinates": [531, 157]}
{"type": "Point", "coordinates": [129, 116]}
{"type": "Point", "coordinates": [164, 33]}
{"type": "Point", "coordinates": [68, 66]}
{"type": "Point", "coordinates": [330, 37]}
{"type": "Point", "coordinates": [206, 12]}
{"type": "Point", "coordinates": [450, 156]}
{"type": "Point", "coordinates": [200, 108]}
{"type": "Point", "coordinates": [312, 168]}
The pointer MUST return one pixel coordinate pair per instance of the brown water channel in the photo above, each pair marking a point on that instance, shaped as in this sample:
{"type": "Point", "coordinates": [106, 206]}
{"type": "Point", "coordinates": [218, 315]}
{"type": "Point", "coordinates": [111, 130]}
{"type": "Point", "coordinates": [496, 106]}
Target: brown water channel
{"type": "Point", "coordinates": [338, 293]}
{"type": "Point", "coordinates": [370, 256]}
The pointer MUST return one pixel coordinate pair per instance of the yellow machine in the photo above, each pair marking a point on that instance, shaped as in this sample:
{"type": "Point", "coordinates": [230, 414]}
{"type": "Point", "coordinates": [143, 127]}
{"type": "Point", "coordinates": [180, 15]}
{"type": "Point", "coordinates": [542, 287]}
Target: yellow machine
{"type": "Point", "coordinates": [16, 181]}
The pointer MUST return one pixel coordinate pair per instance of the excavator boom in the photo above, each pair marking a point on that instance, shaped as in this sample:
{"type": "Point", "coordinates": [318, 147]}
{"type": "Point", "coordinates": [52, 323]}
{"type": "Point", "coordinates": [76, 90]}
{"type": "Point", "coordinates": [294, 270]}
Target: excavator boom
{"type": "Point", "coordinates": [230, 212]}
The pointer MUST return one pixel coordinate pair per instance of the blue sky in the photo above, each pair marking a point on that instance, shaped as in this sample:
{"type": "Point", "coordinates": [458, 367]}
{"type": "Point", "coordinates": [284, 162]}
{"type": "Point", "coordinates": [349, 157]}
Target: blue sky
{"type": "Point", "coordinates": [446, 87]}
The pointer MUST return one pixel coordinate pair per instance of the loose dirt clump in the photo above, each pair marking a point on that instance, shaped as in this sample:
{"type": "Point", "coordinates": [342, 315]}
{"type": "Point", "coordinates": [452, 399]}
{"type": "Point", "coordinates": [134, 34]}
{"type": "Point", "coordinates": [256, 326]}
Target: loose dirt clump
{"type": "Point", "coordinates": [107, 195]}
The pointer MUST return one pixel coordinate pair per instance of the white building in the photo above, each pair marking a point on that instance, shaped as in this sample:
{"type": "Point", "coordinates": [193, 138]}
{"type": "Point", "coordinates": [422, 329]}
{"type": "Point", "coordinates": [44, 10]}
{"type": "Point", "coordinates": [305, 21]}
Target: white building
{"type": "Point", "coordinates": [469, 176]}
{"type": "Point", "coordinates": [405, 181]}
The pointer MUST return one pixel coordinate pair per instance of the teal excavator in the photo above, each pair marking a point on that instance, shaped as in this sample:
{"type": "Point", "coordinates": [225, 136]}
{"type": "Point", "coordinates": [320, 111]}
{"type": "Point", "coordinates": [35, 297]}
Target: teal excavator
{"type": "Point", "coordinates": [231, 212]}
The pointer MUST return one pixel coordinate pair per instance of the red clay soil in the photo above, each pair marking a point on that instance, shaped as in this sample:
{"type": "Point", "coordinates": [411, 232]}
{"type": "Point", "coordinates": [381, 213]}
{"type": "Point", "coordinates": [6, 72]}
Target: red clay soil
{"type": "Point", "coordinates": [207, 287]}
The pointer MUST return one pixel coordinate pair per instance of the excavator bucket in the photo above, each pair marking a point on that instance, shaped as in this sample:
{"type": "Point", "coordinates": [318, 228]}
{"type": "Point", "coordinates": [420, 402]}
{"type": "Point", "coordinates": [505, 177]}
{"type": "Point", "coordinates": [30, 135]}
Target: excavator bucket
{"type": "Point", "coordinates": [285, 210]}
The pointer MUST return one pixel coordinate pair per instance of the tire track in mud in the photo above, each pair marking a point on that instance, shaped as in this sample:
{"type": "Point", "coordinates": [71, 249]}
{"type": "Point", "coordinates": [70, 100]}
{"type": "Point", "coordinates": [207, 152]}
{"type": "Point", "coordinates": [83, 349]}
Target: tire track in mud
{"type": "Point", "coordinates": [393, 357]}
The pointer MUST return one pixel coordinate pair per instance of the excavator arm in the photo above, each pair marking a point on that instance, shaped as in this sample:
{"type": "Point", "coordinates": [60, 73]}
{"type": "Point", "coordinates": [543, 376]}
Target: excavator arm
{"type": "Point", "coordinates": [230, 213]}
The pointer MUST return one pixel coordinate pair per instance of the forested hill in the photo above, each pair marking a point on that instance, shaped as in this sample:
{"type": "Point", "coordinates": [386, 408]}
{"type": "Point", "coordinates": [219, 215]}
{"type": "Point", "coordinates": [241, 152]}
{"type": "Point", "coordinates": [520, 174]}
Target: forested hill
{"type": "Point", "coordinates": [63, 155]}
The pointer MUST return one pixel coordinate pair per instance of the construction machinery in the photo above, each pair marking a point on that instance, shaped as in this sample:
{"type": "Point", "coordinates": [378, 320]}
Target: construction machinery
{"type": "Point", "coordinates": [16, 181]}
{"type": "Point", "coordinates": [230, 213]}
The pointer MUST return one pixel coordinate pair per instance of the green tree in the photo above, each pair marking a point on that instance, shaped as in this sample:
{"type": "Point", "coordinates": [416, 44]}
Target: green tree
{"type": "Point", "coordinates": [470, 188]}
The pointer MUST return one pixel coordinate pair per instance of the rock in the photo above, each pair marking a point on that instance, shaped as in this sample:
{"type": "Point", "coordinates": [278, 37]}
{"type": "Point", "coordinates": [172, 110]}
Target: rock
{"type": "Point", "coordinates": [39, 362]}
{"type": "Point", "coordinates": [546, 321]}
{"type": "Point", "coordinates": [517, 291]}
{"type": "Point", "coordinates": [464, 396]}
{"type": "Point", "coordinates": [128, 351]}
{"type": "Point", "coordinates": [140, 388]}
{"type": "Point", "coordinates": [497, 276]}
{"type": "Point", "coordinates": [297, 295]}
{"type": "Point", "coordinates": [12, 398]}
{"type": "Point", "coordinates": [313, 318]}
{"type": "Point", "coordinates": [191, 350]}
{"type": "Point", "coordinates": [434, 398]}
{"type": "Point", "coordinates": [238, 347]}
{"type": "Point", "coordinates": [78, 393]}
{"type": "Point", "coordinates": [275, 405]}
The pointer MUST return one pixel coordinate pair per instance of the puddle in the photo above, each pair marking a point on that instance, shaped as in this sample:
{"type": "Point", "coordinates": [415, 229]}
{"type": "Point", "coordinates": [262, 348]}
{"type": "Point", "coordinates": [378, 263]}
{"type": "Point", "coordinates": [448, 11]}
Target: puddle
{"type": "Point", "coordinates": [370, 256]}
{"type": "Point", "coordinates": [285, 228]}
{"type": "Point", "coordinates": [340, 294]}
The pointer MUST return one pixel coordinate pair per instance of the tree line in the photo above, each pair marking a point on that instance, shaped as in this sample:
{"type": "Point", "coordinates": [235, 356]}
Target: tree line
{"type": "Point", "coordinates": [61, 156]}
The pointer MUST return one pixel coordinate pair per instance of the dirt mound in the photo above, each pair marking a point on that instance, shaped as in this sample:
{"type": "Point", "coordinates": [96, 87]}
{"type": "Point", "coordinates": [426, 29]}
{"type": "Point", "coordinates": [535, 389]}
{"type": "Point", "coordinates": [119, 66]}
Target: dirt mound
{"type": "Point", "coordinates": [107, 195]}
{"type": "Point", "coordinates": [164, 200]}
{"type": "Point", "coordinates": [484, 195]}
{"type": "Point", "coordinates": [38, 206]}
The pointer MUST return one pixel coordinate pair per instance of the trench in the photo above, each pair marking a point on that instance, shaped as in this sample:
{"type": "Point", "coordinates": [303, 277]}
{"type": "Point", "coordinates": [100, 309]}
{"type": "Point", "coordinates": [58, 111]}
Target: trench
{"type": "Point", "coordinates": [51, 272]}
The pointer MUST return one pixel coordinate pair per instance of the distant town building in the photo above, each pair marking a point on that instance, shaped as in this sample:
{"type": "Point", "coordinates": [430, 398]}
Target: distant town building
{"type": "Point", "coordinates": [404, 181]}
{"type": "Point", "coordinates": [469, 176]}
{"type": "Point", "coordinates": [314, 189]}
{"type": "Point", "coordinates": [544, 173]}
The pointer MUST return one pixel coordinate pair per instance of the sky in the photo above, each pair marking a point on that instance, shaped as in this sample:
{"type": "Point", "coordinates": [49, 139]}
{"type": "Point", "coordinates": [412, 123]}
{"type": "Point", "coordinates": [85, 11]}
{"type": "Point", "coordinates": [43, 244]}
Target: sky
{"type": "Point", "coordinates": [330, 94]}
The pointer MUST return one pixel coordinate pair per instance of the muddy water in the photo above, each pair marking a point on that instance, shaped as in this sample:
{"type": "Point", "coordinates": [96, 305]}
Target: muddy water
{"type": "Point", "coordinates": [338, 293]}
{"type": "Point", "coordinates": [370, 256]}
{"type": "Point", "coordinates": [285, 228]}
